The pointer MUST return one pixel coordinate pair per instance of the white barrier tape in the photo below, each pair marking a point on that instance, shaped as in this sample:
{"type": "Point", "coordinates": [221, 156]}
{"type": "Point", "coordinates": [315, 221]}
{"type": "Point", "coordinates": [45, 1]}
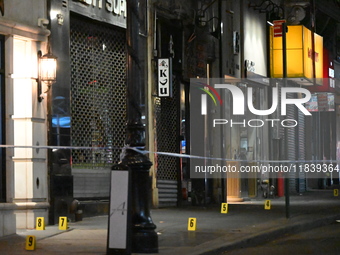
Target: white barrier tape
{"type": "Point", "coordinates": [171, 154]}
{"type": "Point", "coordinates": [235, 160]}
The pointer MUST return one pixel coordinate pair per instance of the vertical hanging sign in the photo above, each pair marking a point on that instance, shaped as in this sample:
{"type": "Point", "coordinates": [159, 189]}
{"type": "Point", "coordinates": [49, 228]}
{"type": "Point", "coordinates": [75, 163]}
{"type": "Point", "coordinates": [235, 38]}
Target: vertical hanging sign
{"type": "Point", "coordinates": [164, 87]}
{"type": "Point", "coordinates": [278, 27]}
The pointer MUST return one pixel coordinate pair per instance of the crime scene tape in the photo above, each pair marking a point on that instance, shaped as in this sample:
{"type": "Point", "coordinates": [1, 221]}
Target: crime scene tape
{"type": "Point", "coordinates": [171, 154]}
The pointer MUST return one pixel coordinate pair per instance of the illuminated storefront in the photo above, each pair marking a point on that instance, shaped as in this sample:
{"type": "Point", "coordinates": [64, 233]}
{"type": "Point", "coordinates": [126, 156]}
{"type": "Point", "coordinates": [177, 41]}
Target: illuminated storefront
{"type": "Point", "coordinates": [304, 56]}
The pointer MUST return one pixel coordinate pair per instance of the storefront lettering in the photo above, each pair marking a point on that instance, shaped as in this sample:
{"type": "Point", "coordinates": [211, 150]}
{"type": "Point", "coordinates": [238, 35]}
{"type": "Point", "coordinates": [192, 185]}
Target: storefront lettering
{"type": "Point", "coordinates": [117, 7]}
{"type": "Point", "coordinates": [164, 77]}
{"type": "Point", "coordinates": [93, 2]}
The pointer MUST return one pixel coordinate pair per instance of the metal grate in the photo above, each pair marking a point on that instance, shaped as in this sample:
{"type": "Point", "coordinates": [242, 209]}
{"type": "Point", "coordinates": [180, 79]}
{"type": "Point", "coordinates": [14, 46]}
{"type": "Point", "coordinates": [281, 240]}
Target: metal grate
{"type": "Point", "coordinates": [98, 92]}
{"type": "Point", "coordinates": [167, 132]}
{"type": "Point", "coordinates": [292, 137]}
{"type": "Point", "coordinates": [301, 185]}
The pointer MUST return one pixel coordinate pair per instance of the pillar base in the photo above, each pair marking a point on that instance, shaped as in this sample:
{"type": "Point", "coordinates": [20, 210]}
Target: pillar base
{"type": "Point", "coordinates": [26, 213]}
{"type": "Point", "coordinates": [145, 241]}
{"type": "Point", "coordinates": [234, 199]}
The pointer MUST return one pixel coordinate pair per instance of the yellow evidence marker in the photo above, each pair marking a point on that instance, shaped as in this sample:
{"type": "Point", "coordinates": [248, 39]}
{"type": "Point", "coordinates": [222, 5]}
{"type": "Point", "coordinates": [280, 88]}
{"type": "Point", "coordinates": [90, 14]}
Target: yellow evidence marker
{"type": "Point", "coordinates": [224, 208]}
{"type": "Point", "coordinates": [336, 192]}
{"type": "Point", "coordinates": [62, 223]}
{"type": "Point", "coordinates": [30, 243]}
{"type": "Point", "coordinates": [192, 224]}
{"type": "Point", "coordinates": [267, 205]}
{"type": "Point", "coordinates": [40, 223]}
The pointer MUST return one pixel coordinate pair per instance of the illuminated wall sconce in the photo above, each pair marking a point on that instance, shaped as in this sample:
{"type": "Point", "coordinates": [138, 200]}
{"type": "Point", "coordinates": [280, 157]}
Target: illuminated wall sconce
{"type": "Point", "coordinates": [47, 69]}
{"type": "Point", "coordinates": [60, 19]}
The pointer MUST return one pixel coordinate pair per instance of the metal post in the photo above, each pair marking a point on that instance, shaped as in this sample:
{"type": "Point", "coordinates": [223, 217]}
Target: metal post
{"type": "Point", "coordinates": [284, 59]}
{"type": "Point", "coordinates": [144, 238]}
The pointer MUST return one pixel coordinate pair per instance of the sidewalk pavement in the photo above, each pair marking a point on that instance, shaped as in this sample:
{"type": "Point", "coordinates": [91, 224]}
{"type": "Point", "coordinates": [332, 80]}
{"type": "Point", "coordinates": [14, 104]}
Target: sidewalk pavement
{"type": "Point", "coordinates": [245, 224]}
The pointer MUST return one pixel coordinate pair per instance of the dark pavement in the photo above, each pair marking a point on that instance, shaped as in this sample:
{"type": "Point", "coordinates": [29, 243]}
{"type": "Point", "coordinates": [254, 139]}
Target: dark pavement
{"type": "Point", "coordinates": [323, 240]}
{"type": "Point", "coordinates": [246, 224]}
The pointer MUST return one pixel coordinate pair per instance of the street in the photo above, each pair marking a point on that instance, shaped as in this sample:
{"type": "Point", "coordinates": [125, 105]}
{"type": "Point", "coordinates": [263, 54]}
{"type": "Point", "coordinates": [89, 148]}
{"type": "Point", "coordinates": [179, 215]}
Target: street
{"type": "Point", "coordinates": [246, 224]}
{"type": "Point", "coordinates": [323, 240]}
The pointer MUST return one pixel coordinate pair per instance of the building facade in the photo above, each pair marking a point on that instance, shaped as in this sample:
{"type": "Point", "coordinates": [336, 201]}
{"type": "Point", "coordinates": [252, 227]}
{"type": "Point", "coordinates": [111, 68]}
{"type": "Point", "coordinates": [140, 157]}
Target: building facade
{"type": "Point", "coordinates": [88, 101]}
{"type": "Point", "coordinates": [24, 176]}
{"type": "Point", "coordinates": [85, 108]}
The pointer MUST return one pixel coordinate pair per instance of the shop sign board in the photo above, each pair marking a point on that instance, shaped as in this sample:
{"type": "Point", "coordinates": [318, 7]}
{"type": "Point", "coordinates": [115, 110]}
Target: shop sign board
{"type": "Point", "coordinates": [321, 102]}
{"type": "Point", "coordinates": [164, 77]}
{"type": "Point", "coordinates": [278, 27]}
{"type": "Point", "coordinates": [109, 11]}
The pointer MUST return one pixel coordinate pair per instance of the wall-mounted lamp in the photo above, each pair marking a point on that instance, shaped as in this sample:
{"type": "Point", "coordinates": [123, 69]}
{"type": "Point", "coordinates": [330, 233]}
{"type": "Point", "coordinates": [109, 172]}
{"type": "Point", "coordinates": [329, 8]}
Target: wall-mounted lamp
{"type": "Point", "coordinates": [60, 19]}
{"type": "Point", "coordinates": [274, 11]}
{"type": "Point", "coordinates": [47, 69]}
